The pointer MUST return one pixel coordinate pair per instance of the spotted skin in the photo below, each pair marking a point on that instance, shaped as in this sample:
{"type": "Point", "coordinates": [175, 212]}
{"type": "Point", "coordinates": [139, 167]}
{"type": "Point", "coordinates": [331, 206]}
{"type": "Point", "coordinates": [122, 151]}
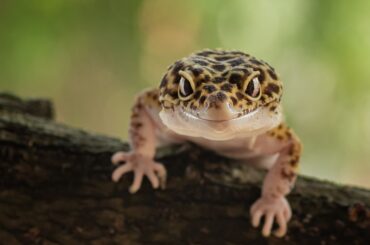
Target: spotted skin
{"type": "Point", "coordinates": [221, 73]}
{"type": "Point", "coordinates": [232, 106]}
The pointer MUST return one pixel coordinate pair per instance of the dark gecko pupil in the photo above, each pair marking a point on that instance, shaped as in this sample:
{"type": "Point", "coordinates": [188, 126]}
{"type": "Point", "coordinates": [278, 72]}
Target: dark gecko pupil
{"type": "Point", "coordinates": [186, 89]}
{"type": "Point", "coordinates": [250, 88]}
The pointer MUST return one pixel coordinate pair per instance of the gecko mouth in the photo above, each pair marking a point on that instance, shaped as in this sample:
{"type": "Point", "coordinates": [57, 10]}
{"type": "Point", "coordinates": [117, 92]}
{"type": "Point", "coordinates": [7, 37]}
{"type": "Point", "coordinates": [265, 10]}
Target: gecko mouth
{"type": "Point", "coordinates": [249, 124]}
{"type": "Point", "coordinates": [235, 116]}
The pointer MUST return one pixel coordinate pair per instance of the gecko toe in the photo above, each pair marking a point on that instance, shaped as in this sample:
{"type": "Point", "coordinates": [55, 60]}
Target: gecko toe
{"type": "Point", "coordinates": [153, 179]}
{"type": "Point", "coordinates": [120, 171]}
{"type": "Point", "coordinates": [138, 179]}
{"type": "Point", "coordinates": [269, 220]}
{"type": "Point", "coordinates": [119, 157]}
{"type": "Point", "coordinates": [256, 218]}
{"type": "Point", "coordinates": [280, 232]}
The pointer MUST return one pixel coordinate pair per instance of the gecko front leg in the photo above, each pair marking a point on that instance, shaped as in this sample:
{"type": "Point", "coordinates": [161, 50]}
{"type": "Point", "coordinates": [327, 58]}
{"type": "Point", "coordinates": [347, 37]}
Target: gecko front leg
{"type": "Point", "coordinates": [143, 145]}
{"type": "Point", "coordinates": [279, 180]}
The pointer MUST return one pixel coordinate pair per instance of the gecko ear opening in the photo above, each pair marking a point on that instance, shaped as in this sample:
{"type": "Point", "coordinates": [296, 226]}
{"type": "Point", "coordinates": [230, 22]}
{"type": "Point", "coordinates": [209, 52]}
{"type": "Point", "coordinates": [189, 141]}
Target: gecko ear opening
{"type": "Point", "coordinates": [186, 86]}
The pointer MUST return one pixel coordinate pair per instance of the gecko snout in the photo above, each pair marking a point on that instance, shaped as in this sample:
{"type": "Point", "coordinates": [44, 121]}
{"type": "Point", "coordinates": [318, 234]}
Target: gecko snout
{"type": "Point", "coordinates": [217, 107]}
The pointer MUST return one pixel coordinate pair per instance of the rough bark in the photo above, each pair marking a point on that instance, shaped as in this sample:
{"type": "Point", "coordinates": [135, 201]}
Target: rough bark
{"type": "Point", "coordinates": [55, 188]}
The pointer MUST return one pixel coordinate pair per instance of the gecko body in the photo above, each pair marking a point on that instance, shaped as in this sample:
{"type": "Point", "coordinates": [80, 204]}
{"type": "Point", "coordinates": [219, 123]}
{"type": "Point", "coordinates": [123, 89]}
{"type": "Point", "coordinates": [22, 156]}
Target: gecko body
{"type": "Point", "coordinates": [228, 102]}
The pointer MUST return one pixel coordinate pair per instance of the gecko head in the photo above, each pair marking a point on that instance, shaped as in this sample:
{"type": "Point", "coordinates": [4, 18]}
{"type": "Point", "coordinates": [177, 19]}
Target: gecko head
{"type": "Point", "coordinates": [220, 95]}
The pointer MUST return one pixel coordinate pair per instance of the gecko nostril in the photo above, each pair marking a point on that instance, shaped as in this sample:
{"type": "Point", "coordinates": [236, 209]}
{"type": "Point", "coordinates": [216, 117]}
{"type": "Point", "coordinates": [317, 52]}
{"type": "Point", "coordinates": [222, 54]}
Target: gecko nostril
{"type": "Point", "coordinates": [216, 100]}
{"type": "Point", "coordinates": [221, 97]}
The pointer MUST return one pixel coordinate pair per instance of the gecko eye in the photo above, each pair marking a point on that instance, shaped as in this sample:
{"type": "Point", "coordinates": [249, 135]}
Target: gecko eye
{"type": "Point", "coordinates": [253, 89]}
{"type": "Point", "coordinates": [186, 89]}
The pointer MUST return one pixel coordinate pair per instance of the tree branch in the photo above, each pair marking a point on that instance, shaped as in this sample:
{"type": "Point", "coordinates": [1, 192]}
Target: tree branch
{"type": "Point", "coordinates": [55, 188]}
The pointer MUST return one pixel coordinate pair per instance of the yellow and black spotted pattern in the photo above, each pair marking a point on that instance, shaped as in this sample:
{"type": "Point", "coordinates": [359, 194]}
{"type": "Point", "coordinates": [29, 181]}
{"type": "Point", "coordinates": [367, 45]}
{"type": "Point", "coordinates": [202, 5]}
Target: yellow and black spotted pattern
{"type": "Point", "coordinates": [221, 74]}
{"type": "Point", "coordinates": [292, 150]}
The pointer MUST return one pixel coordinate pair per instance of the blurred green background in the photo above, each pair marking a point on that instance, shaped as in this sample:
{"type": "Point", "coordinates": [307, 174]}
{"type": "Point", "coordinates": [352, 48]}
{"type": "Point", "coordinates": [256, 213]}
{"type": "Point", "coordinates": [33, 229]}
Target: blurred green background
{"type": "Point", "coordinates": [92, 57]}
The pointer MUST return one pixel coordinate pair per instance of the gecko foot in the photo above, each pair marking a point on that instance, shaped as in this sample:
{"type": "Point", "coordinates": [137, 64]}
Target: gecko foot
{"type": "Point", "coordinates": [273, 209]}
{"type": "Point", "coordinates": [142, 166]}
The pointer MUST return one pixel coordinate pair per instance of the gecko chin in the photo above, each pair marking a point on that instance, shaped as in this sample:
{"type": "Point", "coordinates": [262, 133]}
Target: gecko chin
{"type": "Point", "coordinates": [247, 125]}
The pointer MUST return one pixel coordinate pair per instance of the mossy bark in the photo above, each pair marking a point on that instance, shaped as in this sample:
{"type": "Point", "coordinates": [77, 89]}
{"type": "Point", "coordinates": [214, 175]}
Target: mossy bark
{"type": "Point", "coordinates": [55, 188]}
